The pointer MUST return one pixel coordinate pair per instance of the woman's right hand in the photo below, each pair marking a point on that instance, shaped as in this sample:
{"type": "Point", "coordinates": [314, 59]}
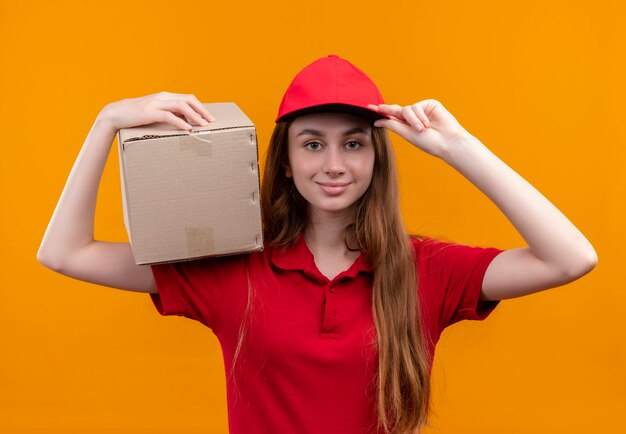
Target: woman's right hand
{"type": "Point", "coordinates": [157, 107]}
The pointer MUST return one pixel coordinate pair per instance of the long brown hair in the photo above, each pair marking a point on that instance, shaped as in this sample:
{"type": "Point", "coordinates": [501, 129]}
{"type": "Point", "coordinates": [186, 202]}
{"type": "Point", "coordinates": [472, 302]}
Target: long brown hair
{"type": "Point", "coordinates": [403, 380]}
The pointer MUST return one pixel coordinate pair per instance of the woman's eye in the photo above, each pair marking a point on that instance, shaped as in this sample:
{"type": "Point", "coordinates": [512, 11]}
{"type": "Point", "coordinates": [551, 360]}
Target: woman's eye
{"type": "Point", "coordinates": [353, 144]}
{"type": "Point", "coordinates": [313, 145]}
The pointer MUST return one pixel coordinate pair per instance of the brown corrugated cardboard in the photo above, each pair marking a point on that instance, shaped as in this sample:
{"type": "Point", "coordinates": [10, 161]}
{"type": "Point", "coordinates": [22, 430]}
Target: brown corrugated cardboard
{"type": "Point", "coordinates": [191, 194]}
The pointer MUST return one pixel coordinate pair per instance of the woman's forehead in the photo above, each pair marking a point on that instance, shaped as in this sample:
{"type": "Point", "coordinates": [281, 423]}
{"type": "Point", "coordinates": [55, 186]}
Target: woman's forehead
{"type": "Point", "coordinates": [328, 121]}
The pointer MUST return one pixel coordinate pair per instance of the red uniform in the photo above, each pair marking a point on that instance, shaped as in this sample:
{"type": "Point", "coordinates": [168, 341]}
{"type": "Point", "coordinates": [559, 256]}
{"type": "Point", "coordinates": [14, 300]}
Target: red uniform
{"type": "Point", "coordinates": [309, 362]}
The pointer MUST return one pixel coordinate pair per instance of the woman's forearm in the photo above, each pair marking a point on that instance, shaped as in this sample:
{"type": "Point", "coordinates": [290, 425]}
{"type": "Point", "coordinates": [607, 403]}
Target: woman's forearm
{"type": "Point", "coordinates": [549, 234]}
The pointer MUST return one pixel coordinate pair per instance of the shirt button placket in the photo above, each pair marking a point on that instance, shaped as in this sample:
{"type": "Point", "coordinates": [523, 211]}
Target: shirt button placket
{"type": "Point", "coordinates": [330, 324]}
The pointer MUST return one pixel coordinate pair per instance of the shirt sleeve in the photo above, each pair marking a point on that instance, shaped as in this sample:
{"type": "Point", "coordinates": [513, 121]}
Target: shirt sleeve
{"type": "Point", "coordinates": [453, 275]}
{"type": "Point", "coordinates": [194, 289]}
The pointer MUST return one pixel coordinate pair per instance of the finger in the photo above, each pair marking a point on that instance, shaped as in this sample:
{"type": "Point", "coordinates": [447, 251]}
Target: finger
{"type": "Point", "coordinates": [200, 108]}
{"type": "Point", "coordinates": [419, 111]}
{"type": "Point", "coordinates": [171, 118]}
{"type": "Point", "coordinates": [391, 109]}
{"type": "Point", "coordinates": [411, 118]}
{"type": "Point", "coordinates": [192, 101]}
{"type": "Point", "coordinates": [396, 126]}
{"type": "Point", "coordinates": [178, 106]}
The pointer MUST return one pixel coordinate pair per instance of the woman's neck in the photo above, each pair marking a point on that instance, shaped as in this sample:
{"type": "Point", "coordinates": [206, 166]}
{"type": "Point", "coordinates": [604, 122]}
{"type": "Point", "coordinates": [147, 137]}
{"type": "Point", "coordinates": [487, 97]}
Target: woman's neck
{"type": "Point", "coordinates": [324, 237]}
{"type": "Point", "coordinates": [325, 232]}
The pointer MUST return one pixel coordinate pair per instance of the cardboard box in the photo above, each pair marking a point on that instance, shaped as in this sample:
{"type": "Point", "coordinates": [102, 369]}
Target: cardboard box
{"type": "Point", "coordinates": [191, 194]}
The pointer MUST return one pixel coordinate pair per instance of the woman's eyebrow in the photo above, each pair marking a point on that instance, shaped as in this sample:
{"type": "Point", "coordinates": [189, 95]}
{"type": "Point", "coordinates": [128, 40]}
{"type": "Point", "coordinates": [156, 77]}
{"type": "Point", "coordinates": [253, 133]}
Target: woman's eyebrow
{"type": "Point", "coordinates": [314, 132]}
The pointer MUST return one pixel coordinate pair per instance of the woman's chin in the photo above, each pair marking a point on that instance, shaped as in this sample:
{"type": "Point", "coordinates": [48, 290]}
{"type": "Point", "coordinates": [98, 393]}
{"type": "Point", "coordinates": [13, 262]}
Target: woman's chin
{"type": "Point", "coordinates": [331, 208]}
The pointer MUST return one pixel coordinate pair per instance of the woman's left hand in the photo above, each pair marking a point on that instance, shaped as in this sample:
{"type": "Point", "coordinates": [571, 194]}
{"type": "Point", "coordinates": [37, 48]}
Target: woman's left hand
{"type": "Point", "coordinates": [426, 124]}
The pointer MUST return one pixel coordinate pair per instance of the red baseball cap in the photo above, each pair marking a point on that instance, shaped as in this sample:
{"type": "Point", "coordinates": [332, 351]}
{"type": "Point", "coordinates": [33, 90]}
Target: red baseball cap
{"type": "Point", "coordinates": [330, 84]}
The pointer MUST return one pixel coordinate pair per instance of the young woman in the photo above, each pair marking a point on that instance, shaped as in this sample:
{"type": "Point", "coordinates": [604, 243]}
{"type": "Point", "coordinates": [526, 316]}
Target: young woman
{"type": "Point", "coordinates": [332, 327]}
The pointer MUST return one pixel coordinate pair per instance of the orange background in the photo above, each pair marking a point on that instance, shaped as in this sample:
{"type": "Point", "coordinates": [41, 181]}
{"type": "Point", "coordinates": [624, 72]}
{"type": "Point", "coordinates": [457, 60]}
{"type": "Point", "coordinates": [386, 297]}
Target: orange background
{"type": "Point", "coordinates": [539, 83]}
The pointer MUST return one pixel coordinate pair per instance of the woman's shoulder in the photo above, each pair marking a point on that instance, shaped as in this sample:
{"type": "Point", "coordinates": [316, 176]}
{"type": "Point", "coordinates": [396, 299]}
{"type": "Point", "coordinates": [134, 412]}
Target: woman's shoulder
{"type": "Point", "coordinates": [431, 248]}
{"type": "Point", "coordinates": [429, 240]}
{"type": "Point", "coordinates": [226, 262]}
{"type": "Point", "coordinates": [419, 240]}
{"type": "Point", "coordinates": [428, 244]}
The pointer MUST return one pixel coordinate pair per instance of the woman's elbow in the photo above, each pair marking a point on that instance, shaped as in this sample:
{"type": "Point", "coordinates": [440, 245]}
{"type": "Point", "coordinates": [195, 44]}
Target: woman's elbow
{"type": "Point", "coordinates": [585, 266]}
{"type": "Point", "coordinates": [48, 260]}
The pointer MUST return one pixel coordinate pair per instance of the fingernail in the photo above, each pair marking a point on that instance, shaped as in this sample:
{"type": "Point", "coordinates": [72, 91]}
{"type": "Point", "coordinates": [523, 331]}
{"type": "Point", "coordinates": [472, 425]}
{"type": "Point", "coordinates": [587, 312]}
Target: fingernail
{"type": "Point", "coordinates": [203, 122]}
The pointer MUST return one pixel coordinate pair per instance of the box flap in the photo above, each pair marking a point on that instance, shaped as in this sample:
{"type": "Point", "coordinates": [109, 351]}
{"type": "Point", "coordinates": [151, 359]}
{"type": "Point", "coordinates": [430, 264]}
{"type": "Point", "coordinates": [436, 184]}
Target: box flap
{"type": "Point", "coordinates": [227, 115]}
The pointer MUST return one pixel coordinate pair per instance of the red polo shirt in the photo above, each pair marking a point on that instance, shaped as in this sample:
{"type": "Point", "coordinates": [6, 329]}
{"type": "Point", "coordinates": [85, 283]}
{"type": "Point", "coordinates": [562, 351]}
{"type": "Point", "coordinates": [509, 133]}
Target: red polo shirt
{"type": "Point", "coordinates": [309, 363]}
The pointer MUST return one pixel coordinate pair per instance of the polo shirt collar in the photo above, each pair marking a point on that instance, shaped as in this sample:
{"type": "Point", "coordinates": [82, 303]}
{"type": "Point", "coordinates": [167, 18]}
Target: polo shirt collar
{"type": "Point", "coordinates": [299, 257]}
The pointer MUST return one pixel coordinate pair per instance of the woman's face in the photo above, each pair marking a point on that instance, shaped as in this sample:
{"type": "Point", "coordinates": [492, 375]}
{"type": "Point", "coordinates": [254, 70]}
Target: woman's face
{"type": "Point", "coordinates": [331, 159]}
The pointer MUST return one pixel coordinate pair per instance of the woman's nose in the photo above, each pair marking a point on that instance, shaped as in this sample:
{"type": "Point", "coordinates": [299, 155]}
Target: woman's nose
{"type": "Point", "coordinates": [333, 161]}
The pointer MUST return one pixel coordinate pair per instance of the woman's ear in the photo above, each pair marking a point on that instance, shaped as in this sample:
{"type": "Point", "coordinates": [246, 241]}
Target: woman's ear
{"type": "Point", "coordinates": [287, 171]}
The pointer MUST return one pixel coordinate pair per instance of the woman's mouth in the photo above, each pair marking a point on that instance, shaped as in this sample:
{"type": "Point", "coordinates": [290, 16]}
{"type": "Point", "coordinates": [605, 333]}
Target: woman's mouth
{"type": "Point", "coordinates": [334, 188]}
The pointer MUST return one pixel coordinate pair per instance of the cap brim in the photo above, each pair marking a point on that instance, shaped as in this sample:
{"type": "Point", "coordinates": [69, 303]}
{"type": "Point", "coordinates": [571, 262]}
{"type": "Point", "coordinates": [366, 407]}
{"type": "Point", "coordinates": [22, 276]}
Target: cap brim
{"type": "Point", "coordinates": [370, 115]}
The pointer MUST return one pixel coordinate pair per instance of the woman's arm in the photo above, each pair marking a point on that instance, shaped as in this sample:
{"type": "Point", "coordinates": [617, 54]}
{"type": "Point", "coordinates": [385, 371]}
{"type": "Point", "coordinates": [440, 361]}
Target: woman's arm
{"type": "Point", "coordinates": [68, 246]}
{"type": "Point", "coordinates": [557, 251]}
